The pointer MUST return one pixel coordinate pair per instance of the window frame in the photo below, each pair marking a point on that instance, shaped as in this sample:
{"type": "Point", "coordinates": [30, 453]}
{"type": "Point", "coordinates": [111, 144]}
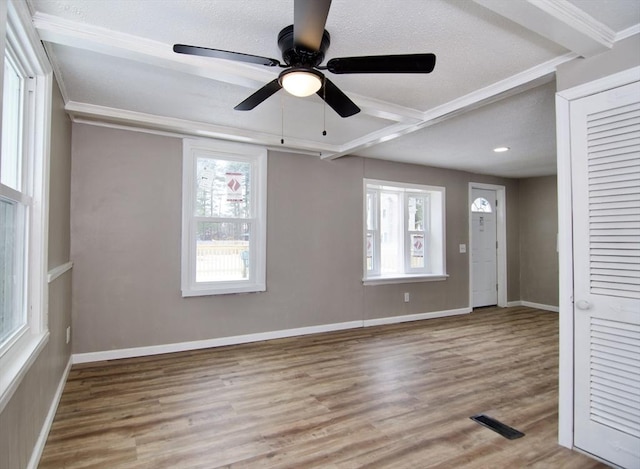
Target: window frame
{"type": "Point", "coordinates": [18, 353]}
{"type": "Point", "coordinates": [22, 103]}
{"type": "Point", "coordinates": [433, 230]}
{"type": "Point", "coordinates": [257, 157]}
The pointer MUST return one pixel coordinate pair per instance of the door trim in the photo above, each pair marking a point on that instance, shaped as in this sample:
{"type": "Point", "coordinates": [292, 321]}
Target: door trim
{"type": "Point", "coordinates": [565, 241]}
{"type": "Point", "coordinates": [501, 235]}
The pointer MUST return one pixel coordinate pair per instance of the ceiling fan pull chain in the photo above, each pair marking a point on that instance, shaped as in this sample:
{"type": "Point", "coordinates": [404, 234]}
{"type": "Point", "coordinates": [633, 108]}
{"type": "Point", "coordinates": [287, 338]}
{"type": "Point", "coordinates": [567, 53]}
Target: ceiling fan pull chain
{"type": "Point", "coordinates": [324, 106]}
{"type": "Point", "coordinates": [281, 120]}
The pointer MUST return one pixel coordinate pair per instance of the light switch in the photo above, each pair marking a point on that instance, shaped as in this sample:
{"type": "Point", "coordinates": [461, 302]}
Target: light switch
{"type": "Point", "coordinates": [463, 248]}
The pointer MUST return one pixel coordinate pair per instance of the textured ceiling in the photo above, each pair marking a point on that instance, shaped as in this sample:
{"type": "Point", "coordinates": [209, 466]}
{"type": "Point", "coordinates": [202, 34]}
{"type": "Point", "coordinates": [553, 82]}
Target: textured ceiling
{"type": "Point", "coordinates": [492, 84]}
{"type": "Point", "coordinates": [532, 141]}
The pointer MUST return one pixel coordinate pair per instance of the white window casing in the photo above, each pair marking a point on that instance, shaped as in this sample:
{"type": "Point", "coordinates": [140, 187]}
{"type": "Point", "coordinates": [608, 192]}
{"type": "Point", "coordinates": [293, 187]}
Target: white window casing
{"type": "Point", "coordinates": [224, 224]}
{"type": "Point", "coordinates": [404, 232]}
{"type": "Point", "coordinates": [27, 125]}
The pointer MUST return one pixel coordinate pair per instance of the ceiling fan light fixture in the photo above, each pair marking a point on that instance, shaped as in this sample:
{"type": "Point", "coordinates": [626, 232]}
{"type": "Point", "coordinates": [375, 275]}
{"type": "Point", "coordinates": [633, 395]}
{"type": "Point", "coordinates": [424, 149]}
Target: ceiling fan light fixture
{"type": "Point", "coordinates": [301, 82]}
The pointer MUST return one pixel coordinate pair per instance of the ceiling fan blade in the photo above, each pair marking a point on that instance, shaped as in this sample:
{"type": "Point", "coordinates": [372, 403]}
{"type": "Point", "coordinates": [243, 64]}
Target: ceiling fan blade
{"type": "Point", "coordinates": [224, 54]}
{"type": "Point", "coordinates": [309, 18]}
{"type": "Point", "coordinates": [407, 63]}
{"type": "Point", "coordinates": [338, 101]}
{"type": "Point", "coordinates": [256, 98]}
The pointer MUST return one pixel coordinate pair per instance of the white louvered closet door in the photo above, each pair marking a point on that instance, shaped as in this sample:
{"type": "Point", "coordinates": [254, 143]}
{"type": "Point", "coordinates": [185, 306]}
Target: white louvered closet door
{"type": "Point", "coordinates": [605, 158]}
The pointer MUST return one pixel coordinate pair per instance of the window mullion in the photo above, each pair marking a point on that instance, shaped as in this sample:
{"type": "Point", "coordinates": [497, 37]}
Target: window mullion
{"type": "Point", "coordinates": [406, 234]}
{"type": "Point", "coordinates": [12, 194]}
{"type": "Point", "coordinates": [224, 219]}
{"type": "Point", "coordinates": [377, 238]}
{"type": "Point", "coordinates": [401, 229]}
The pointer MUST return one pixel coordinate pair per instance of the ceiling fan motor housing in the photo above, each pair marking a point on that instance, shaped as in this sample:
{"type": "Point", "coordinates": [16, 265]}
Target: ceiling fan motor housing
{"type": "Point", "coordinates": [299, 56]}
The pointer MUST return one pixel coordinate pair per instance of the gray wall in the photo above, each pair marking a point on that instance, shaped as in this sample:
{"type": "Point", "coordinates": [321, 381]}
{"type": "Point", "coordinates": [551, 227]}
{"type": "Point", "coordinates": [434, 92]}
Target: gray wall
{"type": "Point", "coordinates": [125, 231]}
{"type": "Point", "coordinates": [23, 417]}
{"type": "Point", "coordinates": [538, 240]}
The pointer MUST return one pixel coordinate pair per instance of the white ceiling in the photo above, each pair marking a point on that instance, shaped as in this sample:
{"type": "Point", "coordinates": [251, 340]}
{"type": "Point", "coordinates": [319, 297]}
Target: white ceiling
{"type": "Point", "coordinates": [493, 83]}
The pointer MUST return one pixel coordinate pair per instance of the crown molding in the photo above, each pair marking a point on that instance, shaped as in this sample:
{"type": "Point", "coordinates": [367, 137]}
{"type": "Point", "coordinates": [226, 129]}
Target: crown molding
{"type": "Point", "coordinates": [559, 21]}
{"type": "Point", "coordinates": [578, 20]}
{"type": "Point", "coordinates": [132, 120]}
{"type": "Point", "coordinates": [630, 31]}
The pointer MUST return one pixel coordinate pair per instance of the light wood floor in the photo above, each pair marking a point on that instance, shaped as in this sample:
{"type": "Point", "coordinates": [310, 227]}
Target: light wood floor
{"type": "Point", "coordinates": [396, 396]}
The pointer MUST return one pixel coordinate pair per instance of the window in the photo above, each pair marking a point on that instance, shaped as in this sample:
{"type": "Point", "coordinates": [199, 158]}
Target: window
{"type": "Point", "coordinates": [481, 205]}
{"type": "Point", "coordinates": [26, 101]}
{"type": "Point", "coordinates": [224, 218]}
{"type": "Point", "coordinates": [404, 231]}
{"type": "Point", "coordinates": [14, 205]}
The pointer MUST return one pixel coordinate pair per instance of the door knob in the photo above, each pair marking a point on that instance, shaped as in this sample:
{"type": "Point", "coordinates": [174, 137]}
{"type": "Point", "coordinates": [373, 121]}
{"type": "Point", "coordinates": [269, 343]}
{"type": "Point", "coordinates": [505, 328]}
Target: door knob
{"type": "Point", "coordinates": [583, 304]}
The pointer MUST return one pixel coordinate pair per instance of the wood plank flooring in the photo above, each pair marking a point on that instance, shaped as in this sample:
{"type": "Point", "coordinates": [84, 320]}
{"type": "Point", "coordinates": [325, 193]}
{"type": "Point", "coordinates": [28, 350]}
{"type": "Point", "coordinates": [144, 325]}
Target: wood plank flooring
{"type": "Point", "coordinates": [397, 396]}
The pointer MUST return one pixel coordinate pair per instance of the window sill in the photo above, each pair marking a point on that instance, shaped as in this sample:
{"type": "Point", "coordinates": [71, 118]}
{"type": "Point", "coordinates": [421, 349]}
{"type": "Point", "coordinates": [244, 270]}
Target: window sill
{"type": "Point", "coordinates": [404, 279]}
{"type": "Point", "coordinates": [16, 363]}
{"type": "Point", "coordinates": [224, 290]}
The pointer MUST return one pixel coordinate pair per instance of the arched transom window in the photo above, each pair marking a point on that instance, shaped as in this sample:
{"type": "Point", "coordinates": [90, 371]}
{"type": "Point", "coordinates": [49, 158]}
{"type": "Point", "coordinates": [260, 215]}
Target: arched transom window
{"type": "Point", "coordinates": [481, 205]}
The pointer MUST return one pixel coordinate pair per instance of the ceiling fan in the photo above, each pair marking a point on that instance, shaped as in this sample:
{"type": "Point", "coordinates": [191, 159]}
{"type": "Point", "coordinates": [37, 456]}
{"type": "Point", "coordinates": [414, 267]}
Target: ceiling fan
{"type": "Point", "coordinates": [303, 45]}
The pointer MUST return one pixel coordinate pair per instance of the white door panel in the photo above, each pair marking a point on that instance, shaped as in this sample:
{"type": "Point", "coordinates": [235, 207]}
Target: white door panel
{"type": "Point", "coordinates": [484, 248]}
{"type": "Point", "coordinates": [605, 142]}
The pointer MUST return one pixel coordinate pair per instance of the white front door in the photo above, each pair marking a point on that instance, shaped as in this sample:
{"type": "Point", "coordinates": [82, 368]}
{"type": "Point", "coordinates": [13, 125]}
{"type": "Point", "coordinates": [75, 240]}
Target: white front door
{"type": "Point", "coordinates": [605, 158]}
{"type": "Point", "coordinates": [484, 247]}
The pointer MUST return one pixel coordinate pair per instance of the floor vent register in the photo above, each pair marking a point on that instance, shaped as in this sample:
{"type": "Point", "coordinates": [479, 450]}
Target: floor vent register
{"type": "Point", "coordinates": [497, 426]}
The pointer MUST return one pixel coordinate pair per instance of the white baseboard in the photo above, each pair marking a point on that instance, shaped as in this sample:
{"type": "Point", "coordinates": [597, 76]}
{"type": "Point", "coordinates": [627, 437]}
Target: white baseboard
{"type": "Point", "coordinates": [209, 343]}
{"type": "Point", "coordinates": [530, 304]}
{"type": "Point", "coordinates": [90, 357]}
{"type": "Point", "coordinates": [36, 454]}
{"type": "Point", "coordinates": [415, 317]}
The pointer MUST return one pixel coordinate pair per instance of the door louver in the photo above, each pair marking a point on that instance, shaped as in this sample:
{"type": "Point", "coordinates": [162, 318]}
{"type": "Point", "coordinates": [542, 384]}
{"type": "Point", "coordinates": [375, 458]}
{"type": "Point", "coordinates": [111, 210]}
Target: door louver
{"type": "Point", "coordinates": [615, 375]}
{"type": "Point", "coordinates": [614, 201]}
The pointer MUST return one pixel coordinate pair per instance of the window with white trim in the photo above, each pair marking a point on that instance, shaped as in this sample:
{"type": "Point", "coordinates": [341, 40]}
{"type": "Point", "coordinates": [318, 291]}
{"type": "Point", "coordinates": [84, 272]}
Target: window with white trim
{"type": "Point", "coordinates": [224, 207]}
{"type": "Point", "coordinates": [26, 111]}
{"type": "Point", "coordinates": [404, 231]}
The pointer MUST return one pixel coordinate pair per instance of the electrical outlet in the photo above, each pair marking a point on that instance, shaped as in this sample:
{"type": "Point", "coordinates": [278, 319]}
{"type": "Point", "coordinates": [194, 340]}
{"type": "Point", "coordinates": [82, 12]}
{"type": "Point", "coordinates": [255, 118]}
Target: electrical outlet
{"type": "Point", "coordinates": [407, 297]}
{"type": "Point", "coordinates": [68, 334]}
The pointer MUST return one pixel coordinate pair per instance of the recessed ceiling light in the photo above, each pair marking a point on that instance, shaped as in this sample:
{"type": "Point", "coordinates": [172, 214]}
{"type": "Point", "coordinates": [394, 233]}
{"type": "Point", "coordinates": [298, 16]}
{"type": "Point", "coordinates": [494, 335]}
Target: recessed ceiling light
{"type": "Point", "coordinates": [501, 149]}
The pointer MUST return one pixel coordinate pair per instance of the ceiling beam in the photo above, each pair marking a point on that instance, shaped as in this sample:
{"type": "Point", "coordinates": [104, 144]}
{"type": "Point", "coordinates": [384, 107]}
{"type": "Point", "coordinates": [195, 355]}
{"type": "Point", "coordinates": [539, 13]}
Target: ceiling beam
{"type": "Point", "coordinates": [56, 30]}
{"type": "Point", "coordinates": [535, 76]}
{"type": "Point", "coordinates": [126, 46]}
{"type": "Point", "coordinates": [559, 21]}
